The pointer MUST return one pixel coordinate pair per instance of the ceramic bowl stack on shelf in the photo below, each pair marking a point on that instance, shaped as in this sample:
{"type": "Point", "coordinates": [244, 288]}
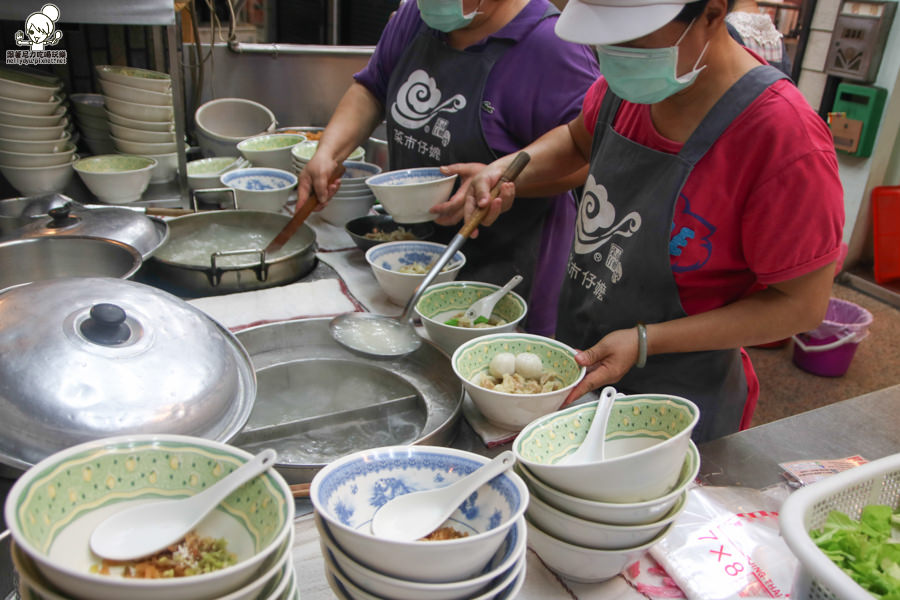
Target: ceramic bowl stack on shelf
{"type": "Point", "coordinates": [36, 148]}
{"type": "Point", "coordinates": [141, 116]}
{"type": "Point", "coordinates": [354, 198]}
{"type": "Point", "coordinates": [54, 507]}
{"type": "Point", "coordinates": [489, 562]}
{"type": "Point", "coordinates": [89, 111]}
{"type": "Point", "coordinates": [588, 521]}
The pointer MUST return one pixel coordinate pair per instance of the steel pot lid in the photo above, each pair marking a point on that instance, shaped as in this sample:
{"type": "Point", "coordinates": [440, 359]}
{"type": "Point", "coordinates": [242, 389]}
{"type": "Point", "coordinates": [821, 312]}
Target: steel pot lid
{"type": "Point", "coordinates": [143, 233]}
{"type": "Point", "coordinates": [92, 357]}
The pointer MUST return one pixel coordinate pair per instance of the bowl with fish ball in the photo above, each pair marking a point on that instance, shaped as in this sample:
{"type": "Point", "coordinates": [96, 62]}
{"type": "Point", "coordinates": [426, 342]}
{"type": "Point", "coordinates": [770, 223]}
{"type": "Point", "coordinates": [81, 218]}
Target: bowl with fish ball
{"type": "Point", "coordinates": [514, 378]}
{"type": "Point", "coordinates": [442, 305]}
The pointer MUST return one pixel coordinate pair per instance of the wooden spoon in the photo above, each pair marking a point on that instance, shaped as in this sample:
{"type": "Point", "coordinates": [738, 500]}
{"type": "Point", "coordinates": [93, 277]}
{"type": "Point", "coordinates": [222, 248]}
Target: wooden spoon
{"type": "Point", "coordinates": [300, 215]}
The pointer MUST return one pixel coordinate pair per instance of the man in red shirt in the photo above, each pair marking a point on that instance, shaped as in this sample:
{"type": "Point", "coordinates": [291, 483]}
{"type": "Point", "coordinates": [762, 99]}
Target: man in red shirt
{"type": "Point", "coordinates": [712, 213]}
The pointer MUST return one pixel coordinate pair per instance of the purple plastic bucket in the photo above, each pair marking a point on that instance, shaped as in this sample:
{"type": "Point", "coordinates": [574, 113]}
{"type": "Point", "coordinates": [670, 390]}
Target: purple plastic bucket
{"type": "Point", "coordinates": [828, 350]}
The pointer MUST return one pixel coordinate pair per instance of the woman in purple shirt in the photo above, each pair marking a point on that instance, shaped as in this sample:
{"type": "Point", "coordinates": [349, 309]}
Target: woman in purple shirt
{"type": "Point", "coordinates": [466, 81]}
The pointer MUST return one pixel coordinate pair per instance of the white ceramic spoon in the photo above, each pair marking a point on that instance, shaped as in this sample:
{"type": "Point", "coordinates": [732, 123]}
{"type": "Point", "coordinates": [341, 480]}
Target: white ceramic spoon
{"type": "Point", "coordinates": [485, 306]}
{"type": "Point", "coordinates": [145, 529]}
{"type": "Point", "coordinates": [415, 515]}
{"type": "Point", "coordinates": [591, 448]}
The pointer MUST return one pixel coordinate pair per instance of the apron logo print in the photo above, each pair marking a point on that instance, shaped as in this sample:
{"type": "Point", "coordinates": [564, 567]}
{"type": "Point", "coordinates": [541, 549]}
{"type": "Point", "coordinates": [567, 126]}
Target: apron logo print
{"type": "Point", "coordinates": [691, 245]}
{"type": "Point", "coordinates": [419, 101]}
{"type": "Point", "coordinates": [596, 217]}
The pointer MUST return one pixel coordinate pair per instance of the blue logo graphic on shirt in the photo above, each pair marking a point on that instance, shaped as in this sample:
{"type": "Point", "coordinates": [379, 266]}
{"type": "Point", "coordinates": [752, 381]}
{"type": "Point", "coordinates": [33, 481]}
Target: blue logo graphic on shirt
{"type": "Point", "coordinates": [690, 245]}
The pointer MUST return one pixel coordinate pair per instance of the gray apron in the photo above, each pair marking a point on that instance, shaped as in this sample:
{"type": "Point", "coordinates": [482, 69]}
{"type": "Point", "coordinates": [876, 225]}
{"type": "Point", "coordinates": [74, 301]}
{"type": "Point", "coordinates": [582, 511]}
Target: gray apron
{"type": "Point", "coordinates": [619, 270]}
{"type": "Point", "coordinates": [434, 103]}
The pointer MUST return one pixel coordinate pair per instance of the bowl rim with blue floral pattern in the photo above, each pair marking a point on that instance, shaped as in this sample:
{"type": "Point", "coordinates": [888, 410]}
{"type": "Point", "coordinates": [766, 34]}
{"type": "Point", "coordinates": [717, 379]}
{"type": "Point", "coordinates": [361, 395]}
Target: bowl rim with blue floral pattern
{"type": "Point", "coordinates": [374, 253]}
{"type": "Point", "coordinates": [396, 178]}
{"type": "Point", "coordinates": [338, 472]}
{"type": "Point", "coordinates": [228, 178]}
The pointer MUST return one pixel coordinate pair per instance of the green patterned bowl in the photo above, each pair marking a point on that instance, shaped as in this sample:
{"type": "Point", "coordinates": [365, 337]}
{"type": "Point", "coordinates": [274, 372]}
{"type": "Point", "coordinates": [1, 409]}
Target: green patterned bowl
{"type": "Point", "coordinates": [116, 178]}
{"type": "Point", "coordinates": [53, 508]}
{"type": "Point", "coordinates": [444, 301]}
{"type": "Point", "coordinates": [647, 442]}
{"type": "Point", "coordinates": [514, 411]}
{"type": "Point", "coordinates": [271, 150]}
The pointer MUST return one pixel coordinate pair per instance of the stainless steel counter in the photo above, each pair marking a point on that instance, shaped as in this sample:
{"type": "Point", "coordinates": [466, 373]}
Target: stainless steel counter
{"type": "Point", "coordinates": [867, 425]}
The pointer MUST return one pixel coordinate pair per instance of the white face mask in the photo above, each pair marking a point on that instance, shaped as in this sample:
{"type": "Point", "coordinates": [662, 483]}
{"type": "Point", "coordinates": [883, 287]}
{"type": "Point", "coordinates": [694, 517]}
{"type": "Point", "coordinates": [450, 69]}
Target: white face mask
{"type": "Point", "coordinates": [646, 75]}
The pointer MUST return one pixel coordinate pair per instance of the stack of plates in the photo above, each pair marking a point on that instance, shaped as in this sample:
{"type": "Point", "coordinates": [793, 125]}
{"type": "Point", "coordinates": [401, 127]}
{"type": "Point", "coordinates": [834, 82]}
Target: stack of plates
{"type": "Point", "coordinates": [36, 149]}
{"type": "Point", "coordinates": [141, 116]}
{"type": "Point", "coordinates": [90, 118]}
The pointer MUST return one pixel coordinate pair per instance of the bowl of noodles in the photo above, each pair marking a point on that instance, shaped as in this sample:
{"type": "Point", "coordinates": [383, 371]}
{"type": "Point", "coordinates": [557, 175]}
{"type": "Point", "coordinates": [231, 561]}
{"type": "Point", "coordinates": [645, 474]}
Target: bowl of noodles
{"type": "Point", "coordinates": [443, 305]}
{"type": "Point", "coordinates": [515, 378]}
{"type": "Point", "coordinates": [54, 507]}
{"type": "Point", "coordinates": [399, 267]}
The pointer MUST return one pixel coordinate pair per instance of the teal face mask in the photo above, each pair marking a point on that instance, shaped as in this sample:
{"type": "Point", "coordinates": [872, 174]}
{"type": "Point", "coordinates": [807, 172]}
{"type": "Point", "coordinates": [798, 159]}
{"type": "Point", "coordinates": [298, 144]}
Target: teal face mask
{"type": "Point", "coordinates": [445, 15]}
{"type": "Point", "coordinates": [646, 75]}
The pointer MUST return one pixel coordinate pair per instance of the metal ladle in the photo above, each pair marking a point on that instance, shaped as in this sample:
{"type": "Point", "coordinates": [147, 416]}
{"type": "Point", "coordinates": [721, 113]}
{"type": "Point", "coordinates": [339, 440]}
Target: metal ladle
{"type": "Point", "coordinates": [381, 335]}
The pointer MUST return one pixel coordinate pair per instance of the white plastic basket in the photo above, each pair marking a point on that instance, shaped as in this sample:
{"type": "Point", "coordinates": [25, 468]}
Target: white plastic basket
{"type": "Point", "coordinates": [818, 578]}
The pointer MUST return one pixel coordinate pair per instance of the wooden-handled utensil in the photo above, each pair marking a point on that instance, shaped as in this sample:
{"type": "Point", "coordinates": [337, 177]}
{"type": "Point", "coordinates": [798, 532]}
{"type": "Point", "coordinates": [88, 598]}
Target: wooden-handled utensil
{"type": "Point", "coordinates": [300, 490]}
{"type": "Point", "coordinates": [300, 215]}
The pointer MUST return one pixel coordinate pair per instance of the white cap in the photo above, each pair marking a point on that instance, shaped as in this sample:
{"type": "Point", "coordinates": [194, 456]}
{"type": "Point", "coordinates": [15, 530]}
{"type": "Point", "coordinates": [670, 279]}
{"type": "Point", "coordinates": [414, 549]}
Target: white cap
{"type": "Point", "coordinates": [604, 22]}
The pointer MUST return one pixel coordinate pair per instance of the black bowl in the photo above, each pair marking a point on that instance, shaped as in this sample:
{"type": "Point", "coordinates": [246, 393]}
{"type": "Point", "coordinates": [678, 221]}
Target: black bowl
{"type": "Point", "coordinates": [360, 226]}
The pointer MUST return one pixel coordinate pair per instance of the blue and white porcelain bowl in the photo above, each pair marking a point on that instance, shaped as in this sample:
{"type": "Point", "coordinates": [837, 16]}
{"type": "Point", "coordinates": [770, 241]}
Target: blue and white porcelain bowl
{"type": "Point", "coordinates": [259, 188]}
{"type": "Point", "coordinates": [347, 492]}
{"type": "Point", "coordinates": [391, 260]}
{"type": "Point", "coordinates": [407, 194]}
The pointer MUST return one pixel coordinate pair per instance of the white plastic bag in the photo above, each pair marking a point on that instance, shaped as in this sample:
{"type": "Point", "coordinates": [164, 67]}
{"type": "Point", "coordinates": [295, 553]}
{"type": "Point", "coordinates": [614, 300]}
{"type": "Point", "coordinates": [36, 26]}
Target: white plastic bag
{"type": "Point", "coordinates": [727, 545]}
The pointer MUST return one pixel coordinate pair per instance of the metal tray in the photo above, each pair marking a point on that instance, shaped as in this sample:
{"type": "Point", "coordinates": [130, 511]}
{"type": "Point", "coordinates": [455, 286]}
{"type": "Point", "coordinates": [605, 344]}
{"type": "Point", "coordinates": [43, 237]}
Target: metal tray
{"type": "Point", "coordinates": [317, 401]}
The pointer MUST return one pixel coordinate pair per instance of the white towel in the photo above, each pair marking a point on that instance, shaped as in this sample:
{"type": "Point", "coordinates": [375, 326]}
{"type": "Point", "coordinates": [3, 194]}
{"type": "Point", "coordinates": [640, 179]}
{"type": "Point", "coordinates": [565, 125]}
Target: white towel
{"type": "Point", "coordinates": [352, 268]}
{"type": "Point", "coordinates": [320, 298]}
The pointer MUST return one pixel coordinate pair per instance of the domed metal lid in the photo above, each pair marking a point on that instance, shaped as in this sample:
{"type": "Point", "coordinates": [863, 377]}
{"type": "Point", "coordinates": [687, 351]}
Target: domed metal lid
{"type": "Point", "coordinates": [91, 357]}
{"type": "Point", "coordinates": [143, 233]}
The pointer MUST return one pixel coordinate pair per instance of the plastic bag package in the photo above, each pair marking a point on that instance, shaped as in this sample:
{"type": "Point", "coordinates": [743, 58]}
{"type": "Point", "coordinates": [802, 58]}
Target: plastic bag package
{"type": "Point", "coordinates": [727, 545]}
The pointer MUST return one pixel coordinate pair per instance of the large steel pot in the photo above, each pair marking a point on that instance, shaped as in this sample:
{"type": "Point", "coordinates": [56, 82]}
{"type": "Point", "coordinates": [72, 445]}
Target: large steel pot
{"type": "Point", "coordinates": [93, 357]}
{"type": "Point", "coordinates": [143, 233]}
{"type": "Point", "coordinates": [36, 259]}
{"type": "Point", "coordinates": [217, 266]}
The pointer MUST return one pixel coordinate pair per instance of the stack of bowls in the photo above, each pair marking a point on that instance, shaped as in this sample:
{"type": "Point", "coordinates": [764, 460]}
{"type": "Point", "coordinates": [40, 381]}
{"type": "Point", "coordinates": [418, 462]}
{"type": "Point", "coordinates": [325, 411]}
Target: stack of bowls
{"type": "Point", "coordinates": [588, 521]}
{"type": "Point", "coordinates": [141, 116]}
{"type": "Point", "coordinates": [353, 198]}
{"type": "Point", "coordinates": [89, 111]}
{"type": "Point", "coordinates": [489, 562]}
{"type": "Point", "coordinates": [513, 411]}
{"type": "Point", "coordinates": [53, 508]}
{"type": "Point", "coordinates": [304, 151]}
{"type": "Point", "coordinates": [36, 150]}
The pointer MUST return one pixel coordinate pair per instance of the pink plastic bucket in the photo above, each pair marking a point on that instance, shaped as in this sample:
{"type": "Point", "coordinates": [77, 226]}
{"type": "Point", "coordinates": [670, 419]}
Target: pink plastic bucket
{"type": "Point", "coordinates": [829, 349]}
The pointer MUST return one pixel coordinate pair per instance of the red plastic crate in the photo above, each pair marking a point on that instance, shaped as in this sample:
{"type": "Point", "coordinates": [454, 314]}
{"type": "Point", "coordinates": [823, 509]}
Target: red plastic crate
{"type": "Point", "coordinates": [886, 233]}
